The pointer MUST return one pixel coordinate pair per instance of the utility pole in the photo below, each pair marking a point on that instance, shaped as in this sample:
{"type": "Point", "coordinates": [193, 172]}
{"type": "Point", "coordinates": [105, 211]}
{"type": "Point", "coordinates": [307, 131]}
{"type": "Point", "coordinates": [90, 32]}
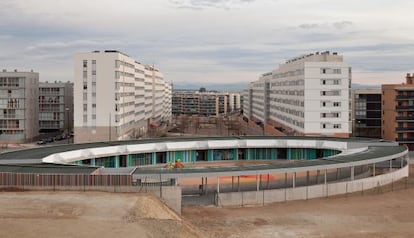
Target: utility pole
{"type": "Point", "coordinates": [67, 115]}
{"type": "Point", "coordinates": [109, 134]}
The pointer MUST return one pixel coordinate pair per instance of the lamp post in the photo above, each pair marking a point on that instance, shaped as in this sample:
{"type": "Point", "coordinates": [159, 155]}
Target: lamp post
{"type": "Point", "coordinates": [67, 116]}
{"type": "Point", "coordinates": [359, 128]}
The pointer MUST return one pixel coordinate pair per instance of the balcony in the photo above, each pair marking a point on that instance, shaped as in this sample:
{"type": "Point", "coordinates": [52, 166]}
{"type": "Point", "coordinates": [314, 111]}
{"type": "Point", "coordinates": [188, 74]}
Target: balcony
{"type": "Point", "coordinates": [405, 118]}
{"type": "Point", "coordinates": [405, 108]}
{"type": "Point", "coordinates": [404, 129]}
{"type": "Point", "coordinates": [409, 139]}
{"type": "Point", "coordinates": [404, 97]}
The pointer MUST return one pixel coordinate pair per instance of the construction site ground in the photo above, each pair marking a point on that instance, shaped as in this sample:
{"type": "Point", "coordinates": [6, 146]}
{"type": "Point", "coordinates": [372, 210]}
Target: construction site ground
{"type": "Point", "coordinates": [384, 212]}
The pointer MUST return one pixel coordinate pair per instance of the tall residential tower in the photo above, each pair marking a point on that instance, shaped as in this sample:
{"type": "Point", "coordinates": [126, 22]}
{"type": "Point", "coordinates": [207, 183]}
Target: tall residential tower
{"type": "Point", "coordinates": [308, 95]}
{"type": "Point", "coordinates": [116, 97]}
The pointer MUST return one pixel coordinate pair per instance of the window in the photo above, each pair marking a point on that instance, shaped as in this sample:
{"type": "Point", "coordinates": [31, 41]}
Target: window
{"type": "Point", "coordinates": [85, 107]}
{"type": "Point", "coordinates": [85, 64]}
{"type": "Point", "coordinates": [331, 93]}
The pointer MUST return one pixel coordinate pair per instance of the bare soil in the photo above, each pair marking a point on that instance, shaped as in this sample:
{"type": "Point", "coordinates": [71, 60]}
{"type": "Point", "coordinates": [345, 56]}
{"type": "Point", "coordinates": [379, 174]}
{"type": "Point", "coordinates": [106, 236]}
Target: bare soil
{"type": "Point", "coordinates": [376, 213]}
{"type": "Point", "coordinates": [90, 214]}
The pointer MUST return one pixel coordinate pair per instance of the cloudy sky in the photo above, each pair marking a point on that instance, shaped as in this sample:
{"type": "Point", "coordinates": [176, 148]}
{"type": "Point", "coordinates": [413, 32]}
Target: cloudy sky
{"type": "Point", "coordinates": [214, 41]}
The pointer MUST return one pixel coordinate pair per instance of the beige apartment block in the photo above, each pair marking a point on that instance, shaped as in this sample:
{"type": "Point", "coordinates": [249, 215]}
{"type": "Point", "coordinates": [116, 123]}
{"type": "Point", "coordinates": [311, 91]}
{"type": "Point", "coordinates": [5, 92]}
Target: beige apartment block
{"type": "Point", "coordinates": [19, 115]}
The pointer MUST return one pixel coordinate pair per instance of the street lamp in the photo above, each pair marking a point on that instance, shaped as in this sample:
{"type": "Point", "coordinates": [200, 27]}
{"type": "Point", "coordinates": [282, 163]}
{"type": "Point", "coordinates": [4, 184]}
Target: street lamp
{"type": "Point", "coordinates": [359, 128]}
{"type": "Point", "coordinates": [67, 115]}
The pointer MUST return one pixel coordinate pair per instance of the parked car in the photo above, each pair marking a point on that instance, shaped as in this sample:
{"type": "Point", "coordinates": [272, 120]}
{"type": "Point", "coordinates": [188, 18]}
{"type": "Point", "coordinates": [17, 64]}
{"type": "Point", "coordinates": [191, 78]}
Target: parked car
{"type": "Point", "coordinates": [41, 142]}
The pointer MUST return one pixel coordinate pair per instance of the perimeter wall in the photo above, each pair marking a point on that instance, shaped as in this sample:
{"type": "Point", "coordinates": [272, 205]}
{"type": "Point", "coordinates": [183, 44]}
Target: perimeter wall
{"type": "Point", "coordinates": [263, 197]}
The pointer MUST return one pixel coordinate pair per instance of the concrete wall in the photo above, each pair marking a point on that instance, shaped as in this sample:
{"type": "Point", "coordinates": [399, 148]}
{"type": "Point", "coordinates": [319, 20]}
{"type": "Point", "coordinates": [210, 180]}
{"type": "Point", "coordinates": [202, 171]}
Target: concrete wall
{"type": "Point", "coordinates": [264, 197]}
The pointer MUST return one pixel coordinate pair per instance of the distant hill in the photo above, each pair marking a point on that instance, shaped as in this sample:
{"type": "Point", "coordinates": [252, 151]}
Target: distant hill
{"type": "Point", "coordinates": [239, 86]}
{"type": "Point", "coordinates": [209, 86]}
{"type": "Point", "coordinates": [363, 86]}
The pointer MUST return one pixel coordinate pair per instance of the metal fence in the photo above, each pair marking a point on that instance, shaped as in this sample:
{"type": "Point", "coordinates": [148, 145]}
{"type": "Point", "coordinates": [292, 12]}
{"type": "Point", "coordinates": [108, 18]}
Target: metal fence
{"type": "Point", "coordinates": [27, 179]}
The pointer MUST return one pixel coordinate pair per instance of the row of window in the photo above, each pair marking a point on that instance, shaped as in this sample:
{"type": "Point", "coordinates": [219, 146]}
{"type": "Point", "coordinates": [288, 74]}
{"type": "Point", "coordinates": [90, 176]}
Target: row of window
{"type": "Point", "coordinates": [327, 125]}
{"type": "Point", "coordinates": [289, 111]}
{"type": "Point", "coordinates": [330, 104]}
{"type": "Point", "coordinates": [330, 114]}
{"type": "Point", "coordinates": [330, 81]}
{"type": "Point", "coordinates": [288, 119]}
{"type": "Point", "coordinates": [119, 74]}
{"type": "Point", "coordinates": [288, 92]}
{"type": "Point", "coordinates": [9, 124]}
{"type": "Point", "coordinates": [9, 82]}
{"type": "Point", "coordinates": [289, 73]}
{"type": "Point", "coordinates": [119, 63]}
{"type": "Point", "coordinates": [288, 83]}
{"type": "Point", "coordinates": [331, 71]}
{"type": "Point", "coordinates": [293, 102]}
{"type": "Point", "coordinates": [331, 93]}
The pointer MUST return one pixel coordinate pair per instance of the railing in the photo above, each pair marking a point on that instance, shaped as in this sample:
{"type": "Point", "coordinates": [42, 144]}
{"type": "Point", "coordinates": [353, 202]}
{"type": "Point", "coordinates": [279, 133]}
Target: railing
{"type": "Point", "coordinates": [410, 139]}
{"type": "Point", "coordinates": [46, 180]}
{"type": "Point", "coordinates": [404, 107]}
{"type": "Point", "coordinates": [409, 118]}
{"type": "Point", "coordinates": [400, 129]}
{"type": "Point", "coordinates": [402, 97]}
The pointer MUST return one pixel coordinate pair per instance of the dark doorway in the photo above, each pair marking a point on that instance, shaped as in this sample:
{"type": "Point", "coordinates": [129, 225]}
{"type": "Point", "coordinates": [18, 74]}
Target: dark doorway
{"type": "Point", "coordinates": [123, 161]}
{"type": "Point", "coordinates": [281, 153]}
{"type": "Point", "coordinates": [241, 153]}
{"type": "Point", "coordinates": [201, 155]}
{"type": "Point", "coordinates": [161, 157]}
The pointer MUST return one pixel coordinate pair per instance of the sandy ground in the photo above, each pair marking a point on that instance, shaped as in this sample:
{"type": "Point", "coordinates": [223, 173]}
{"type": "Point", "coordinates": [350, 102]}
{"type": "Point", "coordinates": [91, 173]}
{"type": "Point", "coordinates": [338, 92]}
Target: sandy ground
{"type": "Point", "coordinates": [91, 214]}
{"type": "Point", "coordinates": [376, 213]}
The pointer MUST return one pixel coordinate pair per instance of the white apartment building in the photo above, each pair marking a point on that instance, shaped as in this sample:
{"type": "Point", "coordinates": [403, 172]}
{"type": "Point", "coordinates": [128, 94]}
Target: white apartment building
{"type": "Point", "coordinates": [19, 115]}
{"type": "Point", "coordinates": [205, 103]}
{"type": "Point", "coordinates": [116, 97]}
{"type": "Point", "coordinates": [308, 95]}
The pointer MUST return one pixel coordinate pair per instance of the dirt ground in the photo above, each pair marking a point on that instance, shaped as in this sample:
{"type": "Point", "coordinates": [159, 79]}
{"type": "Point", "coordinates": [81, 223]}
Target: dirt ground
{"type": "Point", "coordinates": [90, 214]}
{"type": "Point", "coordinates": [382, 213]}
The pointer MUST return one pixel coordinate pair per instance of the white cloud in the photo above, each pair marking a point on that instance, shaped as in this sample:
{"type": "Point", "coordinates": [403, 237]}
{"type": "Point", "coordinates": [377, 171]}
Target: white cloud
{"type": "Point", "coordinates": [229, 40]}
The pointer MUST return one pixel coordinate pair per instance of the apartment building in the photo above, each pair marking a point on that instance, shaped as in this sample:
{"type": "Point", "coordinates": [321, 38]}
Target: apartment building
{"type": "Point", "coordinates": [398, 112]}
{"type": "Point", "coordinates": [204, 103]}
{"type": "Point", "coordinates": [116, 97]}
{"type": "Point", "coordinates": [307, 95]}
{"type": "Point", "coordinates": [19, 93]}
{"type": "Point", "coordinates": [366, 113]}
{"type": "Point", "coordinates": [55, 106]}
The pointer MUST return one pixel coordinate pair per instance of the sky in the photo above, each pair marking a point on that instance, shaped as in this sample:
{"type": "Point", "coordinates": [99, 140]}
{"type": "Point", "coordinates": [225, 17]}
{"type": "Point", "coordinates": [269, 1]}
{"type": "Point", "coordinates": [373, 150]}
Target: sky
{"type": "Point", "coordinates": [209, 41]}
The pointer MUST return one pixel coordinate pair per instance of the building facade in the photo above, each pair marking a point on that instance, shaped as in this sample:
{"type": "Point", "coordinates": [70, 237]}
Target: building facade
{"type": "Point", "coordinates": [116, 97]}
{"type": "Point", "coordinates": [19, 92]}
{"type": "Point", "coordinates": [366, 113]}
{"type": "Point", "coordinates": [398, 112]}
{"type": "Point", "coordinates": [205, 103]}
{"type": "Point", "coordinates": [56, 107]}
{"type": "Point", "coordinates": [308, 95]}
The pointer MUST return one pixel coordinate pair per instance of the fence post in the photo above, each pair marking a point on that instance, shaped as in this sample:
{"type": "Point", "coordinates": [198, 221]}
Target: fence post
{"type": "Point", "coordinates": [160, 187]}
